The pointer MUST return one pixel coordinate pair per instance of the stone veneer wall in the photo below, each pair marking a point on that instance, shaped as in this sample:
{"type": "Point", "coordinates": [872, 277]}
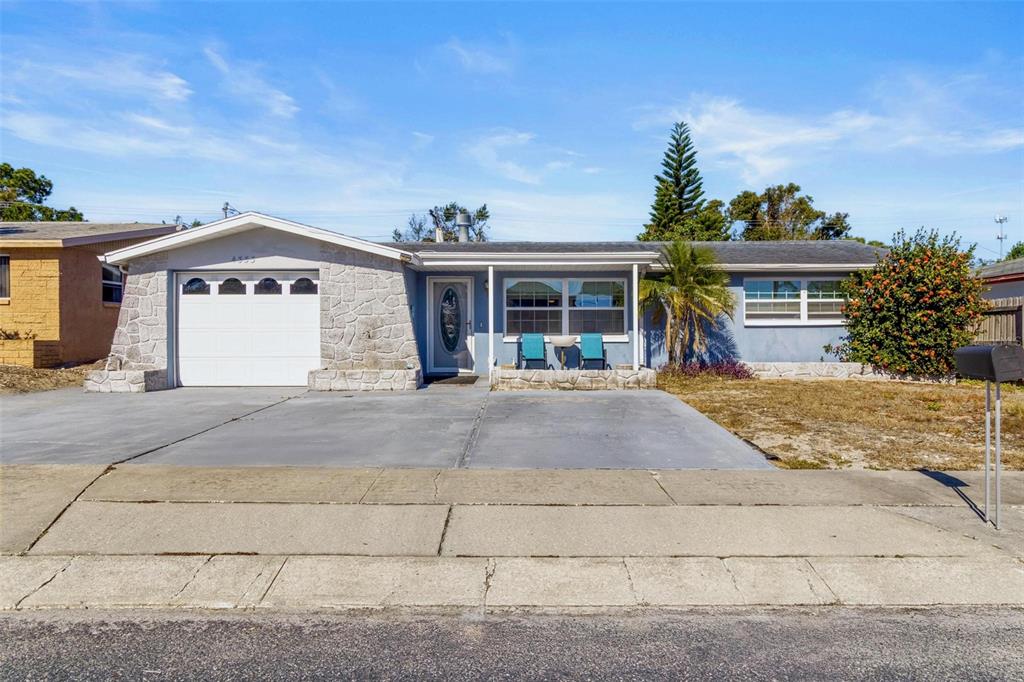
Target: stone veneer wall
{"type": "Point", "coordinates": [572, 379]}
{"type": "Point", "coordinates": [138, 353]}
{"type": "Point", "coordinates": [832, 370]}
{"type": "Point", "coordinates": [367, 340]}
{"type": "Point", "coordinates": [366, 332]}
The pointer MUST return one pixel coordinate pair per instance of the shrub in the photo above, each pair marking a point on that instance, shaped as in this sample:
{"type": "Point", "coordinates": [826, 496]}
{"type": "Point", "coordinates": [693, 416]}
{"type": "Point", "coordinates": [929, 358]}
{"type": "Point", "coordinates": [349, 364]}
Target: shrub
{"type": "Point", "coordinates": [726, 369]}
{"type": "Point", "coordinates": [918, 304]}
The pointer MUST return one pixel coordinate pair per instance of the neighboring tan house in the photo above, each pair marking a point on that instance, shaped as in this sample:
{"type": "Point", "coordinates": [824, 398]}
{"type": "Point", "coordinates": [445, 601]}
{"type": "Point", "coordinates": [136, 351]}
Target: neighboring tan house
{"type": "Point", "coordinates": [256, 300]}
{"type": "Point", "coordinates": [59, 301]}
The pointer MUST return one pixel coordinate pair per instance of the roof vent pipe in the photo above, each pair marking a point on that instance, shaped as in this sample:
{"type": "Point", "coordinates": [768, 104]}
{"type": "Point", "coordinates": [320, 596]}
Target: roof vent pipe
{"type": "Point", "coordinates": [462, 223]}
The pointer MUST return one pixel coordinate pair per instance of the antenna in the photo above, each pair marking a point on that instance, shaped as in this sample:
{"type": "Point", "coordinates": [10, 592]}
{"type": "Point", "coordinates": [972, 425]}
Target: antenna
{"type": "Point", "coordinates": [1000, 220]}
{"type": "Point", "coordinates": [229, 209]}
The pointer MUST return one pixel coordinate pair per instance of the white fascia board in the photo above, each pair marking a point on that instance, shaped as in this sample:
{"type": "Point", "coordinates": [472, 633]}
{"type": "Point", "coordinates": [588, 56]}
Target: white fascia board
{"type": "Point", "coordinates": [246, 221]}
{"type": "Point", "coordinates": [631, 256]}
{"type": "Point", "coordinates": [789, 267]}
{"type": "Point", "coordinates": [526, 263]}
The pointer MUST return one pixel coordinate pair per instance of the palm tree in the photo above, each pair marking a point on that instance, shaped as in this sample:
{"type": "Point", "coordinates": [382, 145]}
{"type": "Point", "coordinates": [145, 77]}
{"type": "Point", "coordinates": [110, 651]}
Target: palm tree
{"type": "Point", "coordinates": [689, 295]}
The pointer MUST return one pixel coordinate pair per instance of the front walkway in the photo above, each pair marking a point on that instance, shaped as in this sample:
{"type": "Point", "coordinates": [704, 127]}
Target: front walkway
{"type": "Point", "coordinates": [440, 426]}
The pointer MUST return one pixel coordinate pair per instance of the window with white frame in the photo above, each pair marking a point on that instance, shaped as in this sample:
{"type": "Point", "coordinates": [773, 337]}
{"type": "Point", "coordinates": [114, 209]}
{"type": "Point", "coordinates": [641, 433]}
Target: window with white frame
{"type": "Point", "coordinates": [825, 300]}
{"type": "Point", "coordinates": [533, 305]}
{"type": "Point", "coordinates": [565, 306]}
{"type": "Point", "coordinates": [792, 301]}
{"type": "Point", "coordinates": [112, 283]}
{"type": "Point", "coordinates": [597, 306]}
{"type": "Point", "coordinates": [5, 276]}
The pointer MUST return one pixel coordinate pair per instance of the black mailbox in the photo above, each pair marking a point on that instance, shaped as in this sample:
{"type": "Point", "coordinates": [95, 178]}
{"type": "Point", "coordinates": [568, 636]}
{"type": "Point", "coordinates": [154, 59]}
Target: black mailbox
{"type": "Point", "coordinates": [1003, 362]}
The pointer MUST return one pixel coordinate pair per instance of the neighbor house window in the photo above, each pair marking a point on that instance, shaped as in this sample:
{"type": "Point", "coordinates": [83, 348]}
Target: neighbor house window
{"type": "Point", "coordinates": [565, 306]}
{"type": "Point", "coordinates": [113, 284]}
{"type": "Point", "coordinates": [5, 276]}
{"type": "Point", "coordinates": [792, 301]}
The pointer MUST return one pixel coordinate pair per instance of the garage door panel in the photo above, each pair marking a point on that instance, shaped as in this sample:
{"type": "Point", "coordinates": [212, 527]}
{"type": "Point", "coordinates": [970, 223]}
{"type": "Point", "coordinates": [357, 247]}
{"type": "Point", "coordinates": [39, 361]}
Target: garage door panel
{"type": "Point", "coordinates": [247, 339]}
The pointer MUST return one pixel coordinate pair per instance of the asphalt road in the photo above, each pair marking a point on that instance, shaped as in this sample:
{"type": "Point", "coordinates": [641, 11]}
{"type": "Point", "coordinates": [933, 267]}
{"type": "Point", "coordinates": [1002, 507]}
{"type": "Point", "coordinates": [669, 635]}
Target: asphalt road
{"type": "Point", "coordinates": [828, 643]}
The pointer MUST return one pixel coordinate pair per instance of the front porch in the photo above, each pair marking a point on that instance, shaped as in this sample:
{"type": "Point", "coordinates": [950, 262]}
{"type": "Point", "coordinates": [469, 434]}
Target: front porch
{"type": "Point", "coordinates": [470, 315]}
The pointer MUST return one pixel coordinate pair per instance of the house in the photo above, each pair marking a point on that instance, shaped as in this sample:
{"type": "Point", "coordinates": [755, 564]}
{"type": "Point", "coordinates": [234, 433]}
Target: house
{"type": "Point", "coordinates": [1004, 319]}
{"type": "Point", "coordinates": [1004, 279]}
{"type": "Point", "coordinates": [59, 301]}
{"type": "Point", "coordinates": [257, 300]}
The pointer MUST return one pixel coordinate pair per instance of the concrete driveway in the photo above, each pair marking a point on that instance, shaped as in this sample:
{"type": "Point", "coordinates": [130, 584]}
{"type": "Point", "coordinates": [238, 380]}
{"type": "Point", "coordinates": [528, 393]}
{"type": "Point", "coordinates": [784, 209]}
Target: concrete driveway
{"type": "Point", "coordinates": [441, 426]}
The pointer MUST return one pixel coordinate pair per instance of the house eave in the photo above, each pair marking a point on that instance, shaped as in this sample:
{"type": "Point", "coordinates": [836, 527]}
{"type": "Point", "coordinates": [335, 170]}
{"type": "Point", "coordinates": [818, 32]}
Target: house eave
{"type": "Point", "coordinates": [247, 221]}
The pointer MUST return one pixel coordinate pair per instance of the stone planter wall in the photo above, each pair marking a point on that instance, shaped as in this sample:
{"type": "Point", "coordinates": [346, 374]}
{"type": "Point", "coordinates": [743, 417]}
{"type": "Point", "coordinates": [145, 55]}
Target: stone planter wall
{"type": "Point", "coordinates": [572, 379]}
{"type": "Point", "coordinates": [833, 370]}
{"type": "Point", "coordinates": [126, 381]}
{"type": "Point", "coordinates": [365, 379]}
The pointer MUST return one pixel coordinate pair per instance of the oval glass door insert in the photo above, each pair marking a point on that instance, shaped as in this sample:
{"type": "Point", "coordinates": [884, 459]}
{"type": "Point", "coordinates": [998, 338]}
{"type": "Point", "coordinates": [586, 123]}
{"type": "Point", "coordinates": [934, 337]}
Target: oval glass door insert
{"type": "Point", "coordinates": [450, 319]}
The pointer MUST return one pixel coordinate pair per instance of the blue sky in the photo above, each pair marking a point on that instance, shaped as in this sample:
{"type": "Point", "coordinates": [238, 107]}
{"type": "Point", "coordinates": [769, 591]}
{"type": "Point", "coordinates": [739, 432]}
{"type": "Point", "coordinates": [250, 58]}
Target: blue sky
{"type": "Point", "coordinates": [351, 116]}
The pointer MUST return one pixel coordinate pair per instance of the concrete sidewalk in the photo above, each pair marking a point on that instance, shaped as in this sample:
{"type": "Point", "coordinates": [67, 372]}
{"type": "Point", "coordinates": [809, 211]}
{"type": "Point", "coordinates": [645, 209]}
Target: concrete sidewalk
{"type": "Point", "coordinates": [330, 582]}
{"type": "Point", "coordinates": [286, 538]}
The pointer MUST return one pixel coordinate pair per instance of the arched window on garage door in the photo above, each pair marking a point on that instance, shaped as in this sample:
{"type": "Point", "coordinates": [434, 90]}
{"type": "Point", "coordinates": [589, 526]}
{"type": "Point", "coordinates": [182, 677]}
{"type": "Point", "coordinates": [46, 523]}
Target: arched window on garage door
{"type": "Point", "coordinates": [303, 285]}
{"type": "Point", "coordinates": [232, 286]}
{"type": "Point", "coordinates": [196, 286]}
{"type": "Point", "coordinates": [268, 285]}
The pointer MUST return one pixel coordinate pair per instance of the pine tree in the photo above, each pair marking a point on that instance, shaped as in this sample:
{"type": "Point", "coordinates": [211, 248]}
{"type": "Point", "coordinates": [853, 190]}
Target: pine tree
{"type": "Point", "coordinates": [678, 197]}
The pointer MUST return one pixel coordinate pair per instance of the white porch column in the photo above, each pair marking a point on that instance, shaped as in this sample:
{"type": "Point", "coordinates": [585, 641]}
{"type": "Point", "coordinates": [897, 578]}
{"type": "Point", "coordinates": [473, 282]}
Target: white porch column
{"type": "Point", "coordinates": [636, 317]}
{"type": "Point", "coordinates": [490, 321]}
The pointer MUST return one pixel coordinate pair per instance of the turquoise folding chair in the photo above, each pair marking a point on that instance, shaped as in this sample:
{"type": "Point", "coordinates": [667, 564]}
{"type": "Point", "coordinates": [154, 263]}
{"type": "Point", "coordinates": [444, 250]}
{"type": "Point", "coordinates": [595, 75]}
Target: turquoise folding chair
{"type": "Point", "coordinates": [531, 351]}
{"type": "Point", "coordinates": [592, 351]}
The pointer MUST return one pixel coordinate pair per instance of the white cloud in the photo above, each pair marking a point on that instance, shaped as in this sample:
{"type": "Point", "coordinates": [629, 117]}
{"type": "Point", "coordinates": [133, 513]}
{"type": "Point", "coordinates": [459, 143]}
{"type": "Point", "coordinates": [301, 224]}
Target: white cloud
{"type": "Point", "coordinates": [118, 73]}
{"type": "Point", "coordinates": [488, 151]}
{"type": "Point", "coordinates": [476, 59]}
{"type": "Point", "coordinates": [243, 80]}
{"type": "Point", "coordinates": [908, 112]}
{"type": "Point", "coordinates": [421, 140]}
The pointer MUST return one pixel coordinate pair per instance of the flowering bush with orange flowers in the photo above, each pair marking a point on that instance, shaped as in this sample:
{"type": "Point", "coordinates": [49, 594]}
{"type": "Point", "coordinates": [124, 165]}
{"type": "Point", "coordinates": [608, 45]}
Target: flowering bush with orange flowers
{"type": "Point", "coordinates": [918, 304]}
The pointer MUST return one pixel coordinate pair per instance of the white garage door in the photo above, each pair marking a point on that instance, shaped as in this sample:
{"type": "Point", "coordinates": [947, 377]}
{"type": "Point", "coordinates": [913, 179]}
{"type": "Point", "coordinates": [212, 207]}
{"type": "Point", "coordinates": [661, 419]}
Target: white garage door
{"type": "Point", "coordinates": [248, 329]}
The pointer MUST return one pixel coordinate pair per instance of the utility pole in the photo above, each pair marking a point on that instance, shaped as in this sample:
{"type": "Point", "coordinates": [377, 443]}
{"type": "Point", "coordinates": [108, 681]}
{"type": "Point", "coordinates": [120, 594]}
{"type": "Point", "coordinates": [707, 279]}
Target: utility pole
{"type": "Point", "coordinates": [1000, 220]}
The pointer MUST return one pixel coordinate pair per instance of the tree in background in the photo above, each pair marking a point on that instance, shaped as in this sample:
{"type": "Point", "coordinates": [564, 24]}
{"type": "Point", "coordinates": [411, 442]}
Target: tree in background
{"type": "Point", "coordinates": [443, 217]}
{"type": "Point", "coordinates": [679, 210]}
{"type": "Point", "coordinates": [23, 193]}
{"type": "Point", "coordinates": [1016, 251]}
{"type": "Point", "coordinates": [689, 297]}
{"type": "Point", "coordinates": [781, 212]}
{"type": "Point", "coordinates": [918, 304]}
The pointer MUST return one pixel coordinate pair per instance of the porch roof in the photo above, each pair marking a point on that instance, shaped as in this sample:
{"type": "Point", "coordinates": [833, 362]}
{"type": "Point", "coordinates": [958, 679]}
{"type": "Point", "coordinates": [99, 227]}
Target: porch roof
{"type": "Point", "coordinates": [734, 256]}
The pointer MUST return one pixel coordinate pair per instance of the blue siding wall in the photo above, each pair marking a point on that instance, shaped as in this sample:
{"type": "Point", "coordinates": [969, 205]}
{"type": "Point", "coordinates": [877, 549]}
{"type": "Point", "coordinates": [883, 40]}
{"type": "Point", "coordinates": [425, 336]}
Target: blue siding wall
{"type": "Point", "coordinates": [618, 352]}
{"type": "Point", "coordinates": [754, 344]}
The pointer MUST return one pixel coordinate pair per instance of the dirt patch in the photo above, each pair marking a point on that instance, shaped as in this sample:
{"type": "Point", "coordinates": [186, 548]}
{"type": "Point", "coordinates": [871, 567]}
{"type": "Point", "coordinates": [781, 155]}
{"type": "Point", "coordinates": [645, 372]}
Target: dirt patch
{"type": "Point", "coordinates": [863, 425]}
{"type": "Point", "coordinates": [17, 379]}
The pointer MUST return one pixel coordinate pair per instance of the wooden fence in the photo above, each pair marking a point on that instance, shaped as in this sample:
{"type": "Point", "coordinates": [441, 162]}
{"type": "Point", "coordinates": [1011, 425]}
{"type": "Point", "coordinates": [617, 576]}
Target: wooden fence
{"type": "Point", "coordinates": [1002, 322]}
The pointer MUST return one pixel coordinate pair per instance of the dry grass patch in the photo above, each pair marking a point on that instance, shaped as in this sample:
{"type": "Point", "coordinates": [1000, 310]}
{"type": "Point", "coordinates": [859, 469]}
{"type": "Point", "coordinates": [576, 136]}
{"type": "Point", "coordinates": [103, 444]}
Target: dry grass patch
{"type": "Point", "coordinates": [17, 379]}
{"type": "Point", "coordinates": [865, 425]}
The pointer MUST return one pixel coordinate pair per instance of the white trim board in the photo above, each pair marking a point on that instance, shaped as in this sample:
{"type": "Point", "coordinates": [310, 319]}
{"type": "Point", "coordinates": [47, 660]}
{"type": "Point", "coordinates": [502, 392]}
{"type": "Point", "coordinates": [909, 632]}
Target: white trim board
{"type": "Point", "coordinates": [247, 221]}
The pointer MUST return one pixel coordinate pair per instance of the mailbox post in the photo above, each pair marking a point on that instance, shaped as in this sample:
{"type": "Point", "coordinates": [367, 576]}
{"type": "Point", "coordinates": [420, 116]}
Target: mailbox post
{"type": "Point", "coordinates": [999, 363]}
